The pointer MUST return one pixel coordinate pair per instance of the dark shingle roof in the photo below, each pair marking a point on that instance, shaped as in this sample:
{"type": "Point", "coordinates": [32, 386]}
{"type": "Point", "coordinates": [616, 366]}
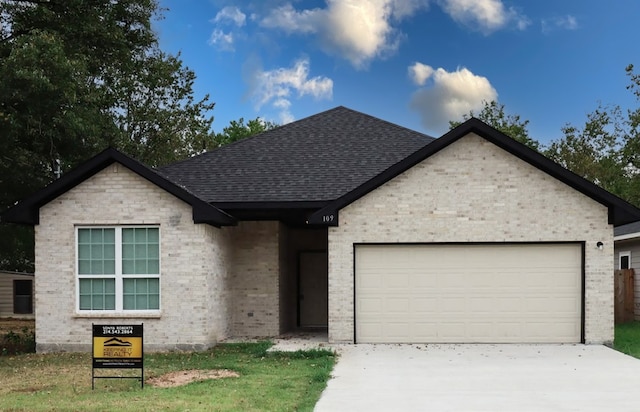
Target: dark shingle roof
{"type": "Point", "coordinates": [315, 159]}
{"type": "Point", "coordinates": [627, 229]}
{"type": "Point", "coordinates": [27, 211]}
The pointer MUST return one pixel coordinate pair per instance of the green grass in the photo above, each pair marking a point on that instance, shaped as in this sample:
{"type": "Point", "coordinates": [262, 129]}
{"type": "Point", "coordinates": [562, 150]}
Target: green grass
{"type": "Point", "coordinates": [627, 338]}
{"type": "Point", "coordinates": [268, 382]}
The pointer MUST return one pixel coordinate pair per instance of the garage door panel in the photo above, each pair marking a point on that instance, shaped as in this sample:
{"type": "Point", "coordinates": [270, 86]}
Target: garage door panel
{"type": "Point", "coordinates": [493, 304]}
{"type": "Point", "coordinates": [569, 305]}
{"type": "Point", "coordinates": [369, 330]}
{"type": "Point", "coordinates": [495, 331]}
{"type": "Point", "coordinates": [465, 293]}
{"type": "Point", "coordinates": [371, 306]}
{"type": "Point", "coordinates": [424, 305]}
{"type": "Point", "coordinates": [397, 305]}
{"type": "Point", "coordinates": [563, 330]}
{"type": "Point", "coordinates": [373, 280]}
{"type": "Point", "coordinates": [424, 279]}
{"type": "Point", "coordinates": [452, 331]}
{"type": "Point", "coordinates": [398, 330]}
{"type": "Point", "coordinates": [453, 304]}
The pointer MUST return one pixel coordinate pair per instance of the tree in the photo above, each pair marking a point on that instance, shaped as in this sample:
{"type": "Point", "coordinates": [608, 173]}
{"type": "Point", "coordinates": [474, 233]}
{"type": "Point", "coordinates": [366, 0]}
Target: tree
{"type": "Point", "coordinates": [238, 130]}
{"type": "Point", "coordinates": [607, 149]}
{"type": "Point", "coordinates": [157, 117]}
{"type": "Point", "coordinates": [632, 136]}
{"type": "Point", "coordinates": [595, 151]}
{"type": "Point", "coordinates": [494, 115]}
{"type": "Point", "coordinates": [77, 77]}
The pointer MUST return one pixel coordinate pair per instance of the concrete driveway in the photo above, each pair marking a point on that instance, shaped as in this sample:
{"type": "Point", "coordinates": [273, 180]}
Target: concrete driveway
{"type": "Point", "coordinates": [482, 378]}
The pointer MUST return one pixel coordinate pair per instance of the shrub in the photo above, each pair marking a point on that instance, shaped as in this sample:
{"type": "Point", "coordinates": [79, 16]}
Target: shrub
{"type": "Point", "coordinates": [13, 343]}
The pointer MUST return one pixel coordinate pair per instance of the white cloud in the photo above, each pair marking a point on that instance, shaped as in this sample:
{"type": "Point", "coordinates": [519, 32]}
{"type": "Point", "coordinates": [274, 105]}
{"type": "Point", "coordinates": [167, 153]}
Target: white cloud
{"type": "Point", "coordinates": [485, 16]}
{"type": "Point", "coordinates": [285, 114]}
{"type": "Point", "coordinates": [222, 40]}
{"type": "Point", "coordinates": [292, 21]}
{"type": "Point", "coordinates": [450, 97]}
{"type": "Point", "coordinates": [276, 87]}
{"type": "Point", "coordinates": [419, 73]}
{"type": "Point", "coordinates": [357, 30]}
{"type": "Point", "coordinates": [230, 14]}
{"type": "Point", "coordinates": [567, 22]}
{"type": "Point", "coordinates": [407, 8]}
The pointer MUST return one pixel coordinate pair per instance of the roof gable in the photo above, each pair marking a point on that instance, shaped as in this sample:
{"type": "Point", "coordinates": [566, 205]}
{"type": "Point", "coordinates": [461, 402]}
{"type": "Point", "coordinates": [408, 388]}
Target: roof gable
{"type": "Point", "coordinates": [314, 160]}
{"type": "Point", "coordinates": [620, 212]}
{"type": "Point", "coordinates": [27, 211]}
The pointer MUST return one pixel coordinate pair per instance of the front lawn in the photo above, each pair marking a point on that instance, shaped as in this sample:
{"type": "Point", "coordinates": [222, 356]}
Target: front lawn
{"type": "Point", "coordinates": [627, 338]}
{"type": "Point", "coordinates": [266, 381]}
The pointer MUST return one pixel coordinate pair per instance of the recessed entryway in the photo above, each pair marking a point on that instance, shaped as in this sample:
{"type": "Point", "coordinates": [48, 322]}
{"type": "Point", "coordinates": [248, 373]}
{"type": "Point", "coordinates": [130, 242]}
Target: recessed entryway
{"type": "Point", "coordinates": [313, 289]}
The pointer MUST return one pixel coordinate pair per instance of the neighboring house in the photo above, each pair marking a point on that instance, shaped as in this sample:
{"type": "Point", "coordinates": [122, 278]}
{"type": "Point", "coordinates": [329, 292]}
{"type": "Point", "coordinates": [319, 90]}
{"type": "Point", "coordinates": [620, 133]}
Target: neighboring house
{"type": "Point", "coordinates": [627, 256]}
{"type": "Point", "coordinates": [16, 295]}
{"type": "Point", "coordinates": [340, 220]}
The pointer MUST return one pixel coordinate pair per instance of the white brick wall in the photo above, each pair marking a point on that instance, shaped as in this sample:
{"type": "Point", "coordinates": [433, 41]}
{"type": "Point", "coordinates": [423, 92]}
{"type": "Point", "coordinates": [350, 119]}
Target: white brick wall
{"type": "Point", "coordinates": [473, 191]}
{"type": "Point", "coordinates": [255, 277]}
{"type": "Point", "coordinates": [194, 279]}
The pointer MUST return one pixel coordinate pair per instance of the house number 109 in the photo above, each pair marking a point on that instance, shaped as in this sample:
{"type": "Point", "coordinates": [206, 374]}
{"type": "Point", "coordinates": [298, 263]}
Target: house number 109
{"type": "Point", "coordinates": [327, 218]}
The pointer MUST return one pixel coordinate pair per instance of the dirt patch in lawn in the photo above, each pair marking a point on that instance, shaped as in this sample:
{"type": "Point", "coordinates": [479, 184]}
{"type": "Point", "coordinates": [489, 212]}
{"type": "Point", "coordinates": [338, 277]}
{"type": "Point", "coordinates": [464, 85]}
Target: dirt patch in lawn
{"type": "Point", "coordinates": [180, 378]}
{"type": "Point", "coordinates": [16, 325]}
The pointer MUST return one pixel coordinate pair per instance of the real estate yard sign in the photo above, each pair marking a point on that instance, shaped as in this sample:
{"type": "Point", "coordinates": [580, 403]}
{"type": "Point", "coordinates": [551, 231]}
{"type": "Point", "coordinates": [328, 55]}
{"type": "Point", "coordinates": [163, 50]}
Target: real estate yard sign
{"type": "Point", "coordinates": [118, 347]}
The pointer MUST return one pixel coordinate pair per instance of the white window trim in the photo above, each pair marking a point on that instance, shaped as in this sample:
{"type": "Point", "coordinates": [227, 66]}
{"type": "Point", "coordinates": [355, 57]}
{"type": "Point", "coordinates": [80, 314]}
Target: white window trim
{"type": "Point", "coordinates": [621, 255]}
{"type": "Point", "coordinates": [119, 276]}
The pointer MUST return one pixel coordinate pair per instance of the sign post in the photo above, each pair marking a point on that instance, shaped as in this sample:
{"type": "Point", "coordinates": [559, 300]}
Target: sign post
{"type": "Point", "coordinates": [117, 347]}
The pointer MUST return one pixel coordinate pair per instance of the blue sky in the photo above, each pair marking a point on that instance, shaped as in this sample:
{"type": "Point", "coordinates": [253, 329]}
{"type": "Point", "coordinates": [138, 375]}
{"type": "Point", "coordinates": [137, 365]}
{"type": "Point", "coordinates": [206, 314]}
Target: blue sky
{"type": "Point", "coordinates": [417, 63]}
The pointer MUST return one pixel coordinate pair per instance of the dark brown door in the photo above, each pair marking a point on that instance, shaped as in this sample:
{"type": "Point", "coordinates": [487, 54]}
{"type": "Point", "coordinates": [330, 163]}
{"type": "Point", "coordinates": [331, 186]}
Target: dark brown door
{"type": "Point", "coordinates": [313, 292]}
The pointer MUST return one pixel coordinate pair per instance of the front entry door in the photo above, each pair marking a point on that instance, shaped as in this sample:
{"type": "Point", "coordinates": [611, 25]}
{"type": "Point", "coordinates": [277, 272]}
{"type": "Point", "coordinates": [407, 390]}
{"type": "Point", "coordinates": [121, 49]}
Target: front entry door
{"type": "Point", "coordinates": [313, 289]}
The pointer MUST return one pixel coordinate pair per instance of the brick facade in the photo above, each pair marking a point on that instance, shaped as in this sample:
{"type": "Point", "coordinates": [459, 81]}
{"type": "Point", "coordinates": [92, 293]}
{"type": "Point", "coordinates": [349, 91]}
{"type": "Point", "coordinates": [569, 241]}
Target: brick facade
{"type": "Point", "coordinates": [255, 268]}
{"type": "Point", "coordinates": [241, 280]}
{"type": "Point", "coordinates": [473, 191]}
{"type": "Point", "coordinates": [215, 283]}
{"type": "Point", "coordinates": [194, 275]}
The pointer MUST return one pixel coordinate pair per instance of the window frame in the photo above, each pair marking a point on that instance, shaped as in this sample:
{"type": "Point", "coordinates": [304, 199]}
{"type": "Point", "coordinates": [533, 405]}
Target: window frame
{"type": "Point", "coordinates": [626, 253]}
{"type": "Point", "coordinates": [16, 297]}
{"type": "Point", "coordinates": [118, 276]}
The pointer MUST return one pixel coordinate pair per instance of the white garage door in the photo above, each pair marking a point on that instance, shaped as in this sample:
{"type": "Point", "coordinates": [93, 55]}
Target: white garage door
{"type": "Point", "coordinates": [468, 293]}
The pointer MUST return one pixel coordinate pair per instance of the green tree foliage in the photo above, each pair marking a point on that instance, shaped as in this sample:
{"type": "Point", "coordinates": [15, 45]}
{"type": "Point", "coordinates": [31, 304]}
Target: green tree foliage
{"type": "Point", "coordinates": [632, 135]}
{"type": "Point", "coordinates": [78, 76]}
{"type": "Point", "coordinates": [495, 116]}
{"type": "Point", "coordinates": [607, 149]}
{"type": "Point", "coordinates": [237, 130]}
{"type": "Point", "coordinates": [595, 150]}
{"type": "Point", "coordinates": [157, 117]}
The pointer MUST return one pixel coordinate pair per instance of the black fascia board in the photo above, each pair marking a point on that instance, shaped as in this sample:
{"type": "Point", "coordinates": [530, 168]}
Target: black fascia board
{"type": "Point", "coordinates": [268, 205]}
{"type": "Point", "coordinates": [27, 211]}
{"type": "Point", "coordinates": [289, 212]}
{"type": "Point", "coordinates": [619, 211]}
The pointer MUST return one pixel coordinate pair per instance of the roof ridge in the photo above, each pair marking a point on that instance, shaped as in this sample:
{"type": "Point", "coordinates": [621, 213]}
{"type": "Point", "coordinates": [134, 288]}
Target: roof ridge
{"type": "Point", "coordinates": [316, 158]}
{"type": "Point", "coordinates": [397, 126]}
{"type": "Point", "coordinates": [304, 119]}
{"type": "Point", "coordinates": [248, 138]}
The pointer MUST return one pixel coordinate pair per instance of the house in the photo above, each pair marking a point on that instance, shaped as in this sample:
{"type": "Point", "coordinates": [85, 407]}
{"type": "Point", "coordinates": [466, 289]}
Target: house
{"type": "Point", "coordinates": [16, 295]}
{"type": "Point", "coordinates": [627, 256]}
{"type": "Point", "coordinates": [340, 221]}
